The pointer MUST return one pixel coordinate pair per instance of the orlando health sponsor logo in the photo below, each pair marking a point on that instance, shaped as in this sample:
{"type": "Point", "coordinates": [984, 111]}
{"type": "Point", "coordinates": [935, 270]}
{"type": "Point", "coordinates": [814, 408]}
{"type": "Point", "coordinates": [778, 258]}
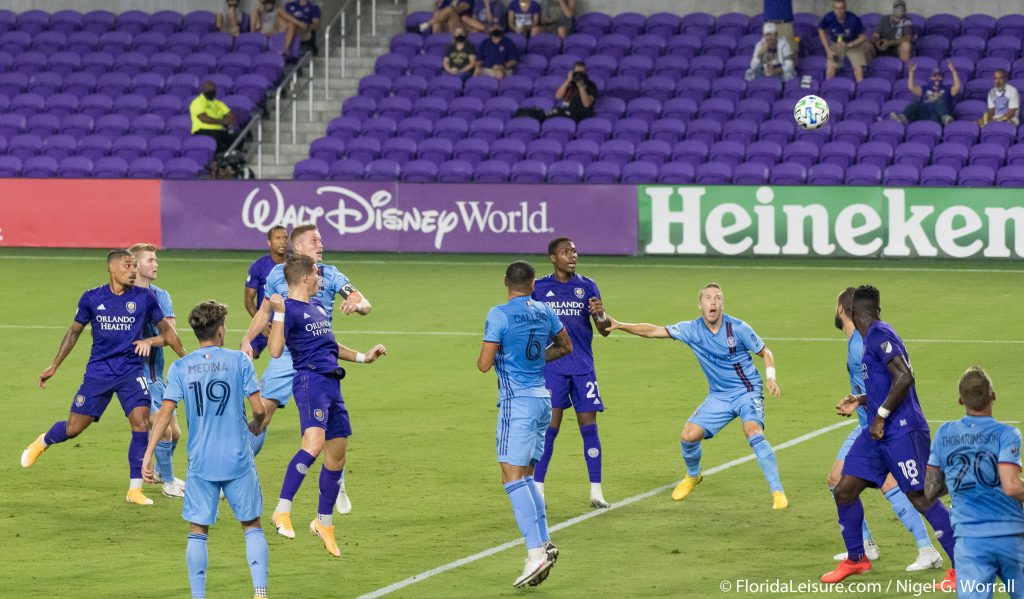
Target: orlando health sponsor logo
{"type": "Point", "coordinates": [350, 213]}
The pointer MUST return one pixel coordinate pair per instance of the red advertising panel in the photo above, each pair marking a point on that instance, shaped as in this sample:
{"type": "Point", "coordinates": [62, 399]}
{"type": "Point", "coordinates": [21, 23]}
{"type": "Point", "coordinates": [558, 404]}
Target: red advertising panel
{"type": "Point", "coordinates": [85, 213]}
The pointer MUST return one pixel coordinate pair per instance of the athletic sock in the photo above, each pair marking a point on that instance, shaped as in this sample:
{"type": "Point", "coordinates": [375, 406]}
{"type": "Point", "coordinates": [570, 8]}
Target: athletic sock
{"type": "Point", "coordinates": [163, 461]}
{"type": "Point", "coordinates": [256, 441]}
{"type": "Point", "coordinates": [540, 470]}
{"type": "Point", "coordinates": [938, 517]}
{"type": "Point", "coordinates": [525, 511]}
{"type": "Point", "coordinates": [909, 516]}
{"type": "Point", "coordinates": [691, 455]}
{"type": "Point", "coordinates": [592, 451]}
{"type": "Point", "coordinates": [137, 451]}
{"type": "Point", "coordinates": [295, 474]}
{"type": "Point", "coordinates": [766, 459]}
{"type": "Point", "coordinates": [851, 517]}
{"type": "Point", "coordinates": [284, 505]}
{"type": "Point", "coordinates": [542, 512]}
{"type": "Point", "coordinates": [329, 487]}
{"type": "Point", "coordinates": [196, 557]}
{"type": "Point", "coordinates": [258, 555]}
{"type": "Point", "coordinates": [866, 532]}
{"type": "Point", "coordinates": [58, 433]}
{"type": "Point", "coordinates": [134, 483]}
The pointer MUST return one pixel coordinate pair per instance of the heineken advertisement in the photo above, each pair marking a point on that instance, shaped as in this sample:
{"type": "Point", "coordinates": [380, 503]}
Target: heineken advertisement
{"type": "Point", "coordinates": [831, 221]}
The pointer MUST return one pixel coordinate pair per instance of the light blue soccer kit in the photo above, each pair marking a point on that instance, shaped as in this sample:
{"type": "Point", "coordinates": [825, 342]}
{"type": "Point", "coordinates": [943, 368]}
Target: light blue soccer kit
{"type": "Point", "coordinates": [214, 383]}
{"type": "Point", "coordinates": [854, 355]}
{"type": "Point", "coordinates": [988, 524]}
{"type": "Point", "coordinates": [153, 367]}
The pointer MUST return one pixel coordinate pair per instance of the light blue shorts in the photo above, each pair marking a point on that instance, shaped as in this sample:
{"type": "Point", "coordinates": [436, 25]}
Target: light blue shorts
{"type": "Point", "coordinates": [522, 422]}
{"type": "Point", "coordinates": [156, 395]}
{"type": "Point", "coordinates": [979, 560]}
{"type": "Point", "coordinates": [201, 498]}
{"type": "Point", "coordinates": [717, 411]}
{"type": "Point", "coordinates": [276, 383]}
{"type": "Point", "coordinates": [848, 443]}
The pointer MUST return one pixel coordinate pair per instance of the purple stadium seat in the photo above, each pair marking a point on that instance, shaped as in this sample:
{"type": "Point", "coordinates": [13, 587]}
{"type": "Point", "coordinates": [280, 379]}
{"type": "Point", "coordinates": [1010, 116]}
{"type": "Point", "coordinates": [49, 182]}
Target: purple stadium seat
{"type": "Point", "coordinates": [522, 128]}
{"type": "Point", "coordinates": [33, 21]}
{"type": "Point", "coordinates": [740, 130]}
{"type": "Point", "coordinates": [76, 125]}
{"type": "Point", "coordinates": [98, 21]}
{"type": "Point", "coordinates": [933, 46]}
{"type": "Point", "coordinates": [27, 104]}
{"type": "Point", "coordinates": [583, 151]}
{"type": "Point", "coordinates": [132, 22]}
{"type": "Point", "coordinates": [508, 150]}
{"type": "Point", "coordinates": [788, 173]}
{"type": "Point", "coordinates": [1000, 133]}
{"type": "Point", "coordinates": [951, 154]}
{"type": "Point", "coordinates": [83, 42]}
{"type": "Point", "coordinates": [839, 153]}
{"type": "Point", "coordinates": [472, 150]}
{"type": "Point", "coordinates": [345, 127]}
{"type": "Point", "coordinates": [149, 42]}
{"type": "Point", "coordinates": [614, 45]}
{"type": "Point", "coordinates": [451, 128]}
{"type": "Point", "coordinates": [415, 128]}
{"type": "Point", "coordinates": [600, 66]}
{"type": "Point", "coordinates": [65, 63]}
{"type": "Point", "coordinates": [407, 44]}
{"type": "Point", "coordinates": [825, 174]}
{"type": "Point", "coordinates": [766, 89]}
{"type": "Point", "coordinates": [45, 83]}
{"type": "Point", "coordinates": [10, 166]}
{"type": "Point", "coordinates": [602, 172]}
{"type": "Point", "coordinates": [730, 88]}
{"type": "Point", "coordinates": [444, 86]}
{"type": "Point", "coordinates": [198, 63]}
{"type": "Point", "coordinates": [1010, 176]}
{"type": "Point", "coordinates": [654, 151]}
{"type": "Point", "coordinates": [865, 111]}
{"type": "Point", "coordinates": [181, 168]}
{"type": "Point", "coordinates": [636, 65]}
{"type": "Point", "coordinates": [148, 85]}
{"type": "Point", "coordinates": [363, 148]}
{"type": "Point", "coordinates": [863, 174]}
{"type": "Point", "coordinates": [609, 108]}
{"type": "Point", "coordinates": [168, 64]}
{"type": "Point", "coordinates": [251, 43]}
{"type": "Point", "coordinates": [74, 167]}
{"type": "Point", "coordinates": [167, 106]}
{"type": "Point", "coordinates": [888, 131]}
{"type": "Point", "coordinates": [594, 23]}
{"type": "Point", "coordinates": [718, 109]}
{"type": "Point", "coordinates": [985, 67]}
{"type": "Point", "coordinates": [968, 46]}
{"type": "Point", "coordinates": [698, 23]}
{"type": "Point", "coordinates": [391, 66]}
{"type": "Point", "coordinates": [767, 153]}
{"type": "Point", "coordinates": [961, 132]}
{"type": "Point", "coordinates": [49, 42]}
{"type": "Point", "coordinates": [482, 88]}
{"type": "Point", "coordinates": [12, 84]}
{"type": "Point", "coordinates": [794, 88]}
{"type": "Point", "coordinates": [987, 154]}
{"type": "Point", "coordinates": [15, 42]}
{"type": "Point", "coordinates": [430, 108]}
{"type": "Point", "coordinates": [983, 26]}
{"type": "Point", "coordinates": [492, 171]}
{"type": "Point", "coordinates": [130, 105]}
{"type": "Point", "coordinates": [750, 173]}
{"type": "Point", "coordinates": [707, 66]}
{"type": "Point", "coordinates": [1015, 155]}
{"type": "Point", "coordinates": [639, 172]}
{"type": "Point", "coordinates": [624, 87]}
{"type": "Point", "coordinates": [720, 45]}
{"type": "Point", "coordinates": [545, 44]}
{"type": "Point", "coordinates": [199, 148]}
{"type": "Point", "coordinates": [528, 171]}
{"type": "Point", "coordinates": [976, 176]}
{"type": "Point", "coordinates": [680, 173]}
{"type": "Point", "coordinates": [166, 21]}
{"type": "Point", "coordinates": [683, 45]}
{"type": "Point", "coordinates": [837, 90]}
{"type": "Point", "coordinates": [707, 131]}
{"type": "Point", "coordinates": [270, 64]}
{"type": "Point", "coordinates": [42, 124]}
{"type": "Point", "coordinates": [435, 149]}
{"type": "Point", "coordinates": [565, 171]}
{"type": "Point", "coordinates": [129, 147]}
{"type": "Point", "coordinates": [926, 132]}
{"type": "Point", "coordinates": [115, 42]}
{"type": "Point", "coordinates": [383, 170]}
{"type": "Point", "coordinates": [726, 152]}
{"type": "Point", "coordinates": [66, 21]}
{"type": "Point", "coordinates": [732, 24]}
{"type": "Point", "coordinates": [713, 173]}
{"type": "Point", "coordinates": [164, 147]}
{"type": "Point", "coordinates": [663, 24]}
{"type": "Point", "coordinates": [875, 152]}
{"type": "Point", "coordinates": [801, 152]}
{"type": "Point", "coordinates": [544, 150]}
{"type": "Point", "coordinates": [311, 169]}
{"type": "Point", "coordinates": [94, 147]}
{"type": "Point", "coordinates": [437, 43]}
{"type": "Point", "coordinates": [234, 64]}
{"type": "Point", "coordinates": [943, 25]}
{"type": "Point", "coordinates": [346, 169]}
{"type": "Point", "coordinates": [901, 175]}
{"type": "Point", "coordinates": [360, 107]}
{"type": "Point", "coordinates": [649, 45]}
{"type": "Point", "coordinates": [110, 167]}
{"type": "Point", "coordinates": [559, 128]}
{"type": "Point", "coordinates": [668, 130]}
{"type": "Point", "coordinates": [325, 149]}
{"type": "Point", "coordinates": [486, 127]}
{"type": "Point", "coordinates": [1004, 46]}
{"type": "Point", "coordinates": [780, 131]}
{"type": "Point", "coordinates": [915, 154]}
{"type": "Point", "coordinates": [977, 89]}
{"type": "Point", "coordinates": [681, 109]}
{"type": "Point", "coordinates": [113, 84]}
{"type": "Point", "coordinates": [218, 43]}
{"type": "Point", "coordinates": [394, 107]}
{"type": "Point", "coordinates": [691, 152]}
{"type": "Point", "coordinates": [673, 67]}
{"type": "Point", "coordinates": [886, 68]}
{"type": "Point", "coordinates": [59, 146]}
{"type": "Point", "coordinates": [629, 24]}
{"type": "Point", "coordinates": [875, 89]}
{"type": "Point", "coordinates": [631, 129]}
{"type": "Point", "coordinates": [618, 151]}
{"type": "Point", "coordinates": [12, 124]}
{"type": "Point", "coordinates": [39, 167]}
{"type": "Point", "coordinates": [80, 83]}
{"type": "Point", "coordinates": [30, 62]}
{"type": "Point", "coordinates": [418, 171]}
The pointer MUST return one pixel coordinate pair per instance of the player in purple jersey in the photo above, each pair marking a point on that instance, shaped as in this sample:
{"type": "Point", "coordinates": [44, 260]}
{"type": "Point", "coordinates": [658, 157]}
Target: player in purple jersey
{"type": "Point", "coordinates": [303, 325]}
{"type": "Point", "coordinates": [277, 244]}
{"type": "Point", "coordinates": [572, 380]}
{"type": "Point", "coordinates": [897, 441]}
{"type": "Point", "coordinates": [117, 314]}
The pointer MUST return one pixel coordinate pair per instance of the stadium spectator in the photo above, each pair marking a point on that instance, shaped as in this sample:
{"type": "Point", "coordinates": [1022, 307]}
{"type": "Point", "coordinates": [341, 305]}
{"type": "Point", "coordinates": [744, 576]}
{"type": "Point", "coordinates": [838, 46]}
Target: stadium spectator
{"type": "Point", "coordinates": [211, 117]}
{"type": "Point", "coordinates": [497, 56]}
{"type": "Point", "coordinates": [773, 56]}
{"type": "Point", "coordinates": [447, 15]}
{"type": "Point", "coordinates": [936, 99]}
{"type": "Point", "coordinates": [460, 59]}
{"type": "Point", "coordinates": [301, 19]}
{"type": "Point", "coordinates": [485, 15]}
{"type": "Point", "coordinates": [233, 20]}
{"type": "Point", "coordinates": [264, 18]}
{"type": "Point", "coordinates": [780, 14]}
{"type": "Point", "coordinates": [1003, 102]}
{"type": "Point", "coordinates": [524, 17]}
{"type": "Point", "coordinates": [559, 16]}
{"type": "Point", "coordinates": [577, 93]}
{"type": "Point", "coordinates": [842, 34]}
{"type": "Point", "coordinates": [894, 36]}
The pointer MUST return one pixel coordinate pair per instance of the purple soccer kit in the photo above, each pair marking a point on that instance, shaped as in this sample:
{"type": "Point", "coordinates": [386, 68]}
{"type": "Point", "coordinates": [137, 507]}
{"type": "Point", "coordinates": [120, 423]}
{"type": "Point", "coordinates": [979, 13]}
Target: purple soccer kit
{"type": "Point", "coordinates": [572, 380]}
{"type": "Point", "coordinates": [317, 391]}
{"type": "Point", "coordinates": [257, 279]}
{"type": "Point", "coordinates": [904, 448]}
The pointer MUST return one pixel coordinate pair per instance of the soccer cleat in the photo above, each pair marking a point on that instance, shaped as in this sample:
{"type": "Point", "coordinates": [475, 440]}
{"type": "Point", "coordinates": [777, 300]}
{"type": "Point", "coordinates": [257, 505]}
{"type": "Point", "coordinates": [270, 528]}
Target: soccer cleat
{"type": "Point", "coordinates": [552, 552]}
{"type": "Point", "coordinates": [779, 501]}
{"type": "Point", "coordinates": [685, 487]}
{"type": "Point", "coordinates": [871, 550]}
{"type": "Point", "coordinates": [948, 583]}
{"type": "Point", "coordinates": [927, 559]}
{"type": "Point", "coordinates": [598, 502]}
{"type": "Point", "coordinates": [326, 534]}
{"type": "Point", "coordinates": [845, 569]}
{"type": "Point", "coordinates": [138, 497]}
{"type": "Point", "coordinates": [343, 504]}
{"type": "Point", "coordinates": [282, 521]}
{"type": "Point", "coordinates": [32, 452]}
{"type": "Point", "coordinates": [533, 570]}
{"type": "Point", "coordinates": [173, 490]}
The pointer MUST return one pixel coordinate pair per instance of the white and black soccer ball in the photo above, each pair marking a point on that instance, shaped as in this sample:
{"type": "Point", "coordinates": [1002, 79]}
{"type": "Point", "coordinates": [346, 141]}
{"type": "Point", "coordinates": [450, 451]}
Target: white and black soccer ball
{"type": "Point", "coordinates": [811, 112]}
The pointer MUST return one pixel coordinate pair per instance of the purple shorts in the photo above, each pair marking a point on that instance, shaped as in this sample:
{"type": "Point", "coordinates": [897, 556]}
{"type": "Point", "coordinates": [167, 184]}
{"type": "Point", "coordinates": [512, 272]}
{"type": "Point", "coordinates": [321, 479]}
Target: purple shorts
{"type": "Point", "coordinates": [258, 344]}
{"type": "Point", "coordinates": [94, 395]}
{"type": "Point", "coordinates": [905, 457]}
{"type": "Point", "coordinates": [319, 402]}
{"type": "Point", "coordinates": [577, 390]}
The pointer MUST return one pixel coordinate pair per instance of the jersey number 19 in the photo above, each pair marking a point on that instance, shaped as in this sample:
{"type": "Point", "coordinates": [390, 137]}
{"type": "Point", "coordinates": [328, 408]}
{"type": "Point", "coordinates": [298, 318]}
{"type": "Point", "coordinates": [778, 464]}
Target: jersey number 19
{"type": "Point", "coordinates": [217, 392]}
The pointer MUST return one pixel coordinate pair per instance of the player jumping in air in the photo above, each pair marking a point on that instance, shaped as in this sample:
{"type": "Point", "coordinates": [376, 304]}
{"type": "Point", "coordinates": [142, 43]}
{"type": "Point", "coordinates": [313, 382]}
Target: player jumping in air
{"type": "Point", "coordinates": [515, 334]}
{"type": "Point", "coordinates": [256, 280]}
{"type": "Point", "coordinates": [927, 556]}
{"type": "Point", "coordinates": [214, 383]}
{"type": "Point", "coordinates": [276, 384]}
{"type": "Point", "coordinates": [303, 324]}
{"type": "Point", "coordinates": [896, 442]}
{"type": "Point", "coordinates": [572, 380]}
{"type": "Point", "coordinates": [978, 459]}
{"type": "Point", "coordinates": [153, 370]}
{"type": "Point", "coordinates": [722, 345]}
{"type": "Point", "coordinates": [118, 313]}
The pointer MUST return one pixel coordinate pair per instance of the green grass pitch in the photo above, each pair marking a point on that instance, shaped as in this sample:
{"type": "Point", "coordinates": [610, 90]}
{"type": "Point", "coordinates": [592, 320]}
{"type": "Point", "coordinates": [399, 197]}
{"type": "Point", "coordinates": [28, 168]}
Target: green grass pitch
{"type": "Point", "coordinates": [422, 476]}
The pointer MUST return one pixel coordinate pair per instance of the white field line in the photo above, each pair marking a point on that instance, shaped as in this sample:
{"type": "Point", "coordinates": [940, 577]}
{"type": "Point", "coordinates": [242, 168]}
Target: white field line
{"type": "Point", "coordinates": [170, 258]}
{"type": "Point", "coordinates": [587, 516]}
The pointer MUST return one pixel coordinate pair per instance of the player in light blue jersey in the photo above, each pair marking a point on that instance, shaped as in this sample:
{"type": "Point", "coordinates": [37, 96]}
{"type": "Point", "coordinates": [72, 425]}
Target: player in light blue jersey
{"type": "Point", "coordinates": [214, 383]}
{"type": "Point", "coordinates": [153, 369]}
{"type": "Point", "coordinates": [977, 461]}
{"type": "Point", "coordinates": [515, 334]}
{"type": "Point", "coordinates": [276, 384]}
{"type": "Point", "coordinates": [722, 345]}
{"type": "Point", "coordinates": [927, 556]}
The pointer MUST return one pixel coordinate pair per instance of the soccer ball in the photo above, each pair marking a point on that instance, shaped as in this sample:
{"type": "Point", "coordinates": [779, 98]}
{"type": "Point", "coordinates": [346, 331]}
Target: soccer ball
{"type": "Point", "coordinates": [811, 112]}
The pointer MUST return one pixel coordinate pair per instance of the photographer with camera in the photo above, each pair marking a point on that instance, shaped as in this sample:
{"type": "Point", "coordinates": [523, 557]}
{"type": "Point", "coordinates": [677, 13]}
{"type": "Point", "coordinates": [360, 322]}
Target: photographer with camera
{"type": "Point", "coordinates": [577, 93]}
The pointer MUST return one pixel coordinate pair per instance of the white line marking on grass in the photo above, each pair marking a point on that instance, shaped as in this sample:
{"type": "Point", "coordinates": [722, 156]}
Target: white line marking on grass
{"type": "Point", "coordinates": [587, 516]}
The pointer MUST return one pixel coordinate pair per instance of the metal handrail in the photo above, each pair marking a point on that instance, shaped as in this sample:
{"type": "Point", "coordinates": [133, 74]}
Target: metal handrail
{"type": "Point", "coordinates": [291, 79]}
{"type": "Point", "coordinates": [340, 21]}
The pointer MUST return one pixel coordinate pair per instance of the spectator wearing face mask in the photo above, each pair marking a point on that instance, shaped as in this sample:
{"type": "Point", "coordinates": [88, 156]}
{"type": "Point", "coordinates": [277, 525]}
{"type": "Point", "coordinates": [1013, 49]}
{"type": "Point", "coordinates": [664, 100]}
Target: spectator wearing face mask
{"type": "Point", "coordinates": [936, 98]}
{"type": "Point", "coordinates": [460, 58]}
{"type": "Point", "coordinates": [232, 21]}
{"type": "Point", "coordinates": [894, 35]}
{"type": "Point", "coordinates": [773, 57]}
{"type": "Point", "coordinates": [264, 18]}
{"type": "Point", "coordinates": [497, 55]}
{"type": "Point", "coordinates": [211, 117]}
{"type": "Point", "coordinates": [577, 94]}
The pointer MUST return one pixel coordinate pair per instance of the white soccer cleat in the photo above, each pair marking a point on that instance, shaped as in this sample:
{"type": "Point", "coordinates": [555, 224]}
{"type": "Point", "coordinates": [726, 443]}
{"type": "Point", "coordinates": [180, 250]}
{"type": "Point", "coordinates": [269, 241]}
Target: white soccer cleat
{"type": "Point", "coordinates": [870, 550]}
{"type": "Point", "coordinates": [533, 569]}
{"type": "Point", "coordinates": [173, 490]}
{"type": "Point", "coordinates": [598, 502]}
{"type": "Point", "coordinates": [343, 504]}
{"type": "Point", "coordinates": [927, 559]}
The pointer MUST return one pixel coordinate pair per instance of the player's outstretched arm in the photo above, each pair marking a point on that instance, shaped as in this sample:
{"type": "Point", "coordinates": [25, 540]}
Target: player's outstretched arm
{"type": "Point", "coordinates": [601, 320]}
{"type": "Point", "coordinates": [250, 301]}
{"type": "Point", "coordinates": [275, 342]}
{"type": "Point", "coordinates": [934, 484]}
{"type": "Point", "coordinates": [259, 414]}
{"type": "Point", "coordinates": [642, 329]}
{"type": "Point", "coordinates": [1009, 476]}
{"type": "Point", "coordinates": [170, 336]}
{"type": "Point", "coordinates": [769, 371]}
{"type": "Point", "coordinates": [348, 354]}
{"type": "Point", "coordinates": [259, 324]}
{"type": "Point", "coordinates": [487, 352]}
{"type": "Point", "coordinates": [66, 345]}
{"type": "Point", "coordinates": [355, 302]}
{"type": "Point", "coordinates": [162, 421]}
{"type": "Point", "coordinates": [560, 346]}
